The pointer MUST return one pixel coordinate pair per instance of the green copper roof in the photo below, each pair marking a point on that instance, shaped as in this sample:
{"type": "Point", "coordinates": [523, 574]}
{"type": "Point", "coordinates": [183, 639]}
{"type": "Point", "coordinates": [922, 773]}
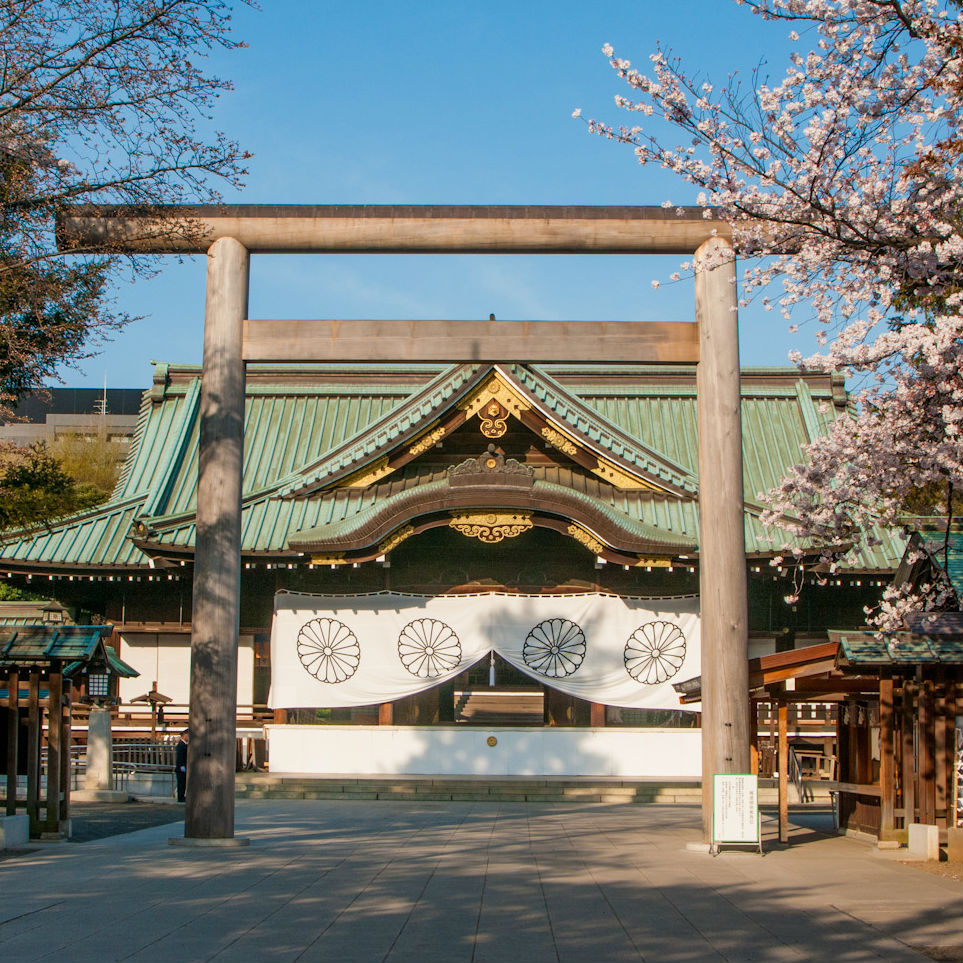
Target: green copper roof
{"type": "Point", "coordinates": [607, 434]}
{"type": "Point", "coordinates": [777, 420]}
{"type": "Point", "coordinates": [98, 539]}
{"type": "Point", "coordinates": [660, 537]}
{"type": "Point", "coordinates": [395, 424]}
{"type": "Point", "coordinates": [284, 430]}
{"type": "Point", "coordinates": [310, 423]}
{"type": "Point", "coordinates": [115, 665]}
{"type": "Point", "coordinates": [946, 551]}
{"type": "Point", "coordinates": [943, 551]}
{"type": "Point", "coordinates": [40, 644]}
{"type": "Point", "coordinates": [900, 648]}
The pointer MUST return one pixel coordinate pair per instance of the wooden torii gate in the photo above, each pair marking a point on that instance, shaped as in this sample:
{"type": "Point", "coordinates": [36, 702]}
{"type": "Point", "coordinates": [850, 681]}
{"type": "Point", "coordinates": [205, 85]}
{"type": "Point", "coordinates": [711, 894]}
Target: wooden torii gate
{"type": "Point", "coordinates": [230, 234]}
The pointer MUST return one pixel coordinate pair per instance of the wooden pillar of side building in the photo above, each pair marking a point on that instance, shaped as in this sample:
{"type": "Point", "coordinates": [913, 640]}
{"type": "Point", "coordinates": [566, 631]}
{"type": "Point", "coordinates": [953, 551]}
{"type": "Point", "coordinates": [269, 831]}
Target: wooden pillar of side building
{"type": "Point", "coordinates": [783, 763]}
{"type": "Point", "coordinates": [13, 738]}
{"type": "Point", "coordinates": [211, 757]}
{"type": "Point", "coordinates": [34, 728]}
{"type": "Point", "coordinates": [722, 544]}
{"type": "Point", "coordinates": [951, 708]}
{"type": "Point", "coordinates": [908, 752]}
{"type": "Point", "coordinates": [926, 798]}
{"type": "Point", "coordinates": [941, 781]}
{"type": "Point", "coordinates": [66, 714]}
{"type": "Point", "coordinates": [753, 736]}
{"type": "Point", "coordinates": [55, 747]}
{"type": "Point", "coordinates": [887, 758]}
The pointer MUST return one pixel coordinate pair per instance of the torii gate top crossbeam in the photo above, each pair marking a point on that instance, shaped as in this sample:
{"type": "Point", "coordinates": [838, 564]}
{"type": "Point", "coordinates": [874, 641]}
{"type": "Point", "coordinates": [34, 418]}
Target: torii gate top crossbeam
{"type": "Point", "coordinates": [390, 229]}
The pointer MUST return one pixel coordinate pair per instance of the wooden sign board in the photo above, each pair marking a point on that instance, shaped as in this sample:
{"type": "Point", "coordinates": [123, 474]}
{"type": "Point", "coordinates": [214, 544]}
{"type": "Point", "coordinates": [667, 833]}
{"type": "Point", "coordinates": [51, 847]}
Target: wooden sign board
{"type": "Point", "coordinates": [735, 811]}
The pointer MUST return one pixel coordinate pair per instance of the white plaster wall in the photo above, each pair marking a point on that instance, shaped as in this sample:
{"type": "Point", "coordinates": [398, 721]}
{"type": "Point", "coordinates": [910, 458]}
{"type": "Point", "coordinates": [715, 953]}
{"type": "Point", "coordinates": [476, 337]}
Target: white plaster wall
{"type": "Point", "coordinates": [166, 657]}
{"type": "Point", "coordinates": [245, 670]}
{"type": "Point", "coordinates": [447, 751]}
{"type": "Point", "coordinates": [761, 647]}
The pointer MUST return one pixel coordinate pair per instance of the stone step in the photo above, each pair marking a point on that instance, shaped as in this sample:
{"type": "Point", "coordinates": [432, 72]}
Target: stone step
{"type": "Point", "coordinates": [500, 720]}
{"type": "Point", "coordinates": [514, 789]}
{"type": "Point", "coordinates": [481, 707]}
{"type": "Point", "coordinates": [434, 783]}
{"type": "Point", "coordinates": [262, 786]}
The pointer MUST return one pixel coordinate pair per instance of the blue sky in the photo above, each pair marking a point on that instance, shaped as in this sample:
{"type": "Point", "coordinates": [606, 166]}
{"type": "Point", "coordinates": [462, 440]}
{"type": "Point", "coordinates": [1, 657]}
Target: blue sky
{"type": "Point", "coordinates": [449, 102]}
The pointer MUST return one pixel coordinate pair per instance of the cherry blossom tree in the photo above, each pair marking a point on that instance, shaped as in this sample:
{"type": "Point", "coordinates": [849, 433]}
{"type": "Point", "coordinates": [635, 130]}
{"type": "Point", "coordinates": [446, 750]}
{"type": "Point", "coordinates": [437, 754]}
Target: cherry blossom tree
{"type": "Point", "coordinates": [101, 101]}
{"type": "Point", "coordinates": [842, 184]}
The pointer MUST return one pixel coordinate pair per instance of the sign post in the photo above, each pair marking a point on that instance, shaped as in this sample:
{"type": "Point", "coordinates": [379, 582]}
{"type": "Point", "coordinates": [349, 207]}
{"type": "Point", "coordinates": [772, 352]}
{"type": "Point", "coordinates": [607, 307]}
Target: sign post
{"type": "Point", "coordinates": [735, 811]}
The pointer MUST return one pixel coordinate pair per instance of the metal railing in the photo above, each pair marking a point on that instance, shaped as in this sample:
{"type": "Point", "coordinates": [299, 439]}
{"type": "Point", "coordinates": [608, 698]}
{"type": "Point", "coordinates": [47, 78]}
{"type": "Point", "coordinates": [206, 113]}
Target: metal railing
{"type": "Point", "coordinates": [145, 756]}
{"type": "Point", "coordinates": [131, 759]}
{"type": "Point", "coordinates": [805, 764]}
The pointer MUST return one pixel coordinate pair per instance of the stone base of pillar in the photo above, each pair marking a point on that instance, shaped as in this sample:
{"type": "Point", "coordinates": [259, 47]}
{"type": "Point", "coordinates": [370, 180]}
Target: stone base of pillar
{"type": "Point", "coordinates": [924, 841]}
{"type": "Point", "coordinates": [98, 773]}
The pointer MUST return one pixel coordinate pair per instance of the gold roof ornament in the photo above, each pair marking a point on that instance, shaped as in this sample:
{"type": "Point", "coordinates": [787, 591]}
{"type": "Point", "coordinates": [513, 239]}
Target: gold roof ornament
{"type": "Point", "coordinates": [498, 390]}
{"type": "Point", "coordinates": [491, 527]}
{"type": "Point", "coordinates": [557, 440]}
{"type": "Point", "coordinates": [589, 541]}
{"type": "Point", "coordinates": [494, 420]}
{"type": "Point", "coordinates": [395, 539]}
{"type": "Point", "coordinates": [621, 479]}
{"type": "Point", "coordinates": [428, 441]}
{"type": "Point", "coordinates": [369, 474]}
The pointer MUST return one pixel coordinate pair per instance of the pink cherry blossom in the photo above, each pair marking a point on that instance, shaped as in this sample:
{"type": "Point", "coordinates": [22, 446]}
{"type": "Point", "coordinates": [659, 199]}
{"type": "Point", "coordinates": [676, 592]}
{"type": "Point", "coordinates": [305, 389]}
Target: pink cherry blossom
{"type": "Point", "coordinates": [843, 186]}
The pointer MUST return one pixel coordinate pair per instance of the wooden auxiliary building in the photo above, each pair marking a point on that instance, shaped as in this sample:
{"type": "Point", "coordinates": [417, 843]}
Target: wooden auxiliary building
{"type": "Point", "coordinates": [40, 668]}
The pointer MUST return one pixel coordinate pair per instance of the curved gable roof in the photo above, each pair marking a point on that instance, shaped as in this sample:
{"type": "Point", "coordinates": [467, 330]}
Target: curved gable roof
{"type": "Point", "coordinates": [319, 438]}
{"type": "Point", "coordinates": [458, 394]}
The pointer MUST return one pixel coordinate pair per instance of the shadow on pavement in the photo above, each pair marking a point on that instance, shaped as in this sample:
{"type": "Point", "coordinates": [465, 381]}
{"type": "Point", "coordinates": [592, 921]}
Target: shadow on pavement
{"type": "Point", "coordinates": [91, 821]}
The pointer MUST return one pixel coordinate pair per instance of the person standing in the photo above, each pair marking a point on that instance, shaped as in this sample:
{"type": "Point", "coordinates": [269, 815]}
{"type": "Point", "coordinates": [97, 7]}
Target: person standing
{"type": "Point", "coordinates": [180, 765]}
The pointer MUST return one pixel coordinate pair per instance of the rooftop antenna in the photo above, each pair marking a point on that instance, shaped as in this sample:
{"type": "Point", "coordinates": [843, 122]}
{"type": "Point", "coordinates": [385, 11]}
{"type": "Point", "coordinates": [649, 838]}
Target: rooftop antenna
{"type": "Point", "coordinates": [100, 406]}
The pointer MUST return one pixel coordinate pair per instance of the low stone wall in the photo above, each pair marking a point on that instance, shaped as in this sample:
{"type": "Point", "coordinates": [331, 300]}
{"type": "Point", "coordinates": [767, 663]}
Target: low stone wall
{"type": "Point", "coordinates": [150, 784]}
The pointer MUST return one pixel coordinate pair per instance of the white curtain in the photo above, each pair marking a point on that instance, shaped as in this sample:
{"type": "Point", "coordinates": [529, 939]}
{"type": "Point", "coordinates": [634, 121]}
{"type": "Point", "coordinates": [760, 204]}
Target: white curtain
{"type": "Point", "coordinates": [330, 651]}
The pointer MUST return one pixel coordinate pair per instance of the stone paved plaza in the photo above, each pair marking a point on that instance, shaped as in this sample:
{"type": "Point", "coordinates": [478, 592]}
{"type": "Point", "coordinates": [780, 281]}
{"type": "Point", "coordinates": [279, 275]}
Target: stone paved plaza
{"type": "Point", "coordinates": [470, 881]}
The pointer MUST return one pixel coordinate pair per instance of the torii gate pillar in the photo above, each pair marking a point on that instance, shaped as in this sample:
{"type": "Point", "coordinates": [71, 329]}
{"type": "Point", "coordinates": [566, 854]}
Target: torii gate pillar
{"type": "Point", "coordinates": [217, 553]}
{"type": "Point", "coordinates": [722, 537]}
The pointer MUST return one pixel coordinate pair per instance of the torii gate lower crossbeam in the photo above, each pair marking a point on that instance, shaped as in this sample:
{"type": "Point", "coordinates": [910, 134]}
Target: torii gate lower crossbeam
{"type": "Point", "coordinates": [230, 234]}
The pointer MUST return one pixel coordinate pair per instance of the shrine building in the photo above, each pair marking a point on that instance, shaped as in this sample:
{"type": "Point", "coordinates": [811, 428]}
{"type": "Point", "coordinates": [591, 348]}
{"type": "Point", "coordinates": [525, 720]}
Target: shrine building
{"type": "Point", "coordinates": [469, 568]}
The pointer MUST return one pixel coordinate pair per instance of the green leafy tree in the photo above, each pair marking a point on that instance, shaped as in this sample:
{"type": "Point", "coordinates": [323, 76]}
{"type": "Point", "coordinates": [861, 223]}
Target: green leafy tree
{"type": "Point", "coordinates": [10, 593]}
{"type": "Point", "coordinates": [90, 458]}
{"type": "Point", "coordinates": [35, 489]}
